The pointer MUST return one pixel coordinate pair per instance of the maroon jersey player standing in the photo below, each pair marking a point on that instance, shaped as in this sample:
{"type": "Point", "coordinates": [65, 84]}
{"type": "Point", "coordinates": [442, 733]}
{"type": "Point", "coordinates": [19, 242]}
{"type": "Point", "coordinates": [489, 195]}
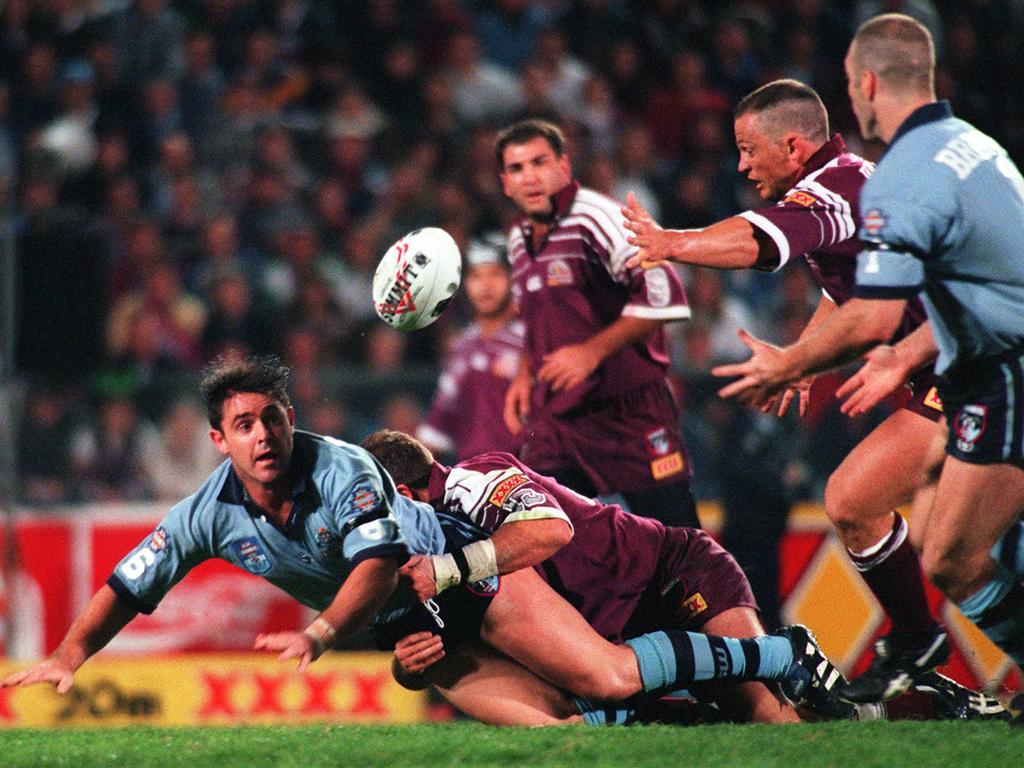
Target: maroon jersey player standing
{"type": "Point", "coordinates": [784, 145]}
{"type": "Point", "coordinates": [465, 417]}
{"type": "Point", "coordinates": [590, 396]}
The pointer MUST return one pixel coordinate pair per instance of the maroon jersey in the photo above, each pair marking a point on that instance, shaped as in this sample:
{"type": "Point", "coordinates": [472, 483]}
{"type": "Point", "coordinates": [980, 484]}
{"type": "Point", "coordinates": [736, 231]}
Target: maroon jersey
{"type": "Point", "coordinates": [576, 284]}
{"type": "Point", "coordinates": [466, 415]}
{"type": "Point", "coordinates": [612, 559]}
{"type": "Point", "coordinates": [818, 218]}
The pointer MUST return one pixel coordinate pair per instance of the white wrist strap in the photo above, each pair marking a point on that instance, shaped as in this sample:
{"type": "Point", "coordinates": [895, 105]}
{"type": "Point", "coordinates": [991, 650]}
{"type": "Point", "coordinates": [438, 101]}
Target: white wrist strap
{"type": "Point", "coordinates": [321, 633]}
{"type": "Point", "coordinates": [474, 562]}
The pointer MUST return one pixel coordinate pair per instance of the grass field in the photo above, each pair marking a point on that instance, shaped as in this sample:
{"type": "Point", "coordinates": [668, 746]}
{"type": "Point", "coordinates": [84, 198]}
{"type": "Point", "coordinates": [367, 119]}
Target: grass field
{"type": "Point", "coordinates": [863, 745]}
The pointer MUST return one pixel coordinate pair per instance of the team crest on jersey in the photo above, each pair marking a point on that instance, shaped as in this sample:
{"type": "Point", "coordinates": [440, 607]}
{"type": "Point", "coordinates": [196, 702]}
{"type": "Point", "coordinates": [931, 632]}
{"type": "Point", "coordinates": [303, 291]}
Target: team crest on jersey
{"type": "Point", "coordinates": [364, 500]}
{"type": "Point", "coordinates": [970, 426]}
{"type": "Point", "coordinates": [251, 553]}
{"type": "Point", "coordinates": [324, 538]}
{"type": "Point", "coordinates": [559, 273]}
{"type": "Point", "coordinates": [158, 540]}
{"type": "Point", "coordinates": [874, 222]}
{"type": "Point", "coordinates": [506, 365]}
{"type": "Point", "coordinates": [659, 290]}
{"type": "Point", "coordinates": [658, 442]}
{"type": "Point", "coordinates": [800, 198]}
{"type": "Point", "coordinates": [534, 283]}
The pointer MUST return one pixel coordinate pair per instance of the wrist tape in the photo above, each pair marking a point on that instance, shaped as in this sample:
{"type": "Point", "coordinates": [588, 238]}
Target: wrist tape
{"type": "Point", "coordinates": [321, 633]}
{"type": "Point", "coordinates": [472, 563]}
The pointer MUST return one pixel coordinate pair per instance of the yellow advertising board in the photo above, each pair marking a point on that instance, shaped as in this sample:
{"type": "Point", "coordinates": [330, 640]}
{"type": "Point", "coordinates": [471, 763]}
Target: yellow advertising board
{"type": "Point", "coordinates": [217, 689]}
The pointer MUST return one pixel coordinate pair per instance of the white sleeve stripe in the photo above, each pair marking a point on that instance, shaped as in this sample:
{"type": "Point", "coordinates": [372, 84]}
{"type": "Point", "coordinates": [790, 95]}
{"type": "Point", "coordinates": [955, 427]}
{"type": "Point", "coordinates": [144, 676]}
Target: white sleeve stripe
{"type": "Point", "coordinates": [827, 296]}
{"type": "Point", "coordinates": [538, 513]}
{"type": "Point", "coordinates": [840, 210]}
{"type": "Point", "coordinates": [773, 232]}
{"type": "Point", "coordinates": [678, 312]}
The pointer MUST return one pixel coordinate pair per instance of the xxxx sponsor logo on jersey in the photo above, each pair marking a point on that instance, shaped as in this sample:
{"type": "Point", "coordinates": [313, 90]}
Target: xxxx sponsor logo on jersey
{"type": "Point", "coordinates": [500, 494]}
{"type": "Point", "coordinates": [800, 197]}
{"type": "Point", "coordinates": [874, 222]}
{"type": "Point", "coordinates": [158, 540]}
{"type": "Point", "coordinates": [559, 273]}
{"type": "Point", "coordinates": [251, 555]}
{"type": "Point", "coordinates": [693, 605]}
{"type": "Point", "coordinates": [932, 399]}
{"type": "Point", "coordinates": [365, 500]}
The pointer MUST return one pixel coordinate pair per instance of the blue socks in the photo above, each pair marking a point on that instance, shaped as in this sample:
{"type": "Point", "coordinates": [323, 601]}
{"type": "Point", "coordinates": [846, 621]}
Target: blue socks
{"type": "Point", "coordinates": [678, 658]}
{"type": "Point", "coordinates": [997, 609]}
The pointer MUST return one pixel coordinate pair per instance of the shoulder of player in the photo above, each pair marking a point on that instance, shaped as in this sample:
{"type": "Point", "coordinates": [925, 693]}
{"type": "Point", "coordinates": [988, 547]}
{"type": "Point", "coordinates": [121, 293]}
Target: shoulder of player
{"type": "Point", "coordinates": [842, 177]}
{"type": "Point", "coordinates": [474, 480]}
{"type": "Point", "coordinates": [337, 468]}
{"type": "Point", "coordinates": [596, 212]}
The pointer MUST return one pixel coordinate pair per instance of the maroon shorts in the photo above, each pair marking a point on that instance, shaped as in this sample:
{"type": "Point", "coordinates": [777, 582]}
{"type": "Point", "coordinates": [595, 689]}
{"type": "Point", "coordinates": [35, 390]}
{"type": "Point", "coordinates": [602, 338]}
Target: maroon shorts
{"type": "Point", "coordinates": [628, 443]}
{"type": "Point", "coordinates": [924, 395]}
{"type": "Point", "coordinates": [696, 580]}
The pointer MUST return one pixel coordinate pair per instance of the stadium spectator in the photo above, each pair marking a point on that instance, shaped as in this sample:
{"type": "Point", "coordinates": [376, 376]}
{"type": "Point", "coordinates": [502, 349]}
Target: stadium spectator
{"type": "Point", "coordinates": [44, 447]}
{"type": "Point", "coordinates": [107, 455]}
{"type": "Point", "coordinates": [480, 363]}
{"type": "Point", "coordinates": [590, 396]}
{"type": "Point", "coordinates": [179, 455]}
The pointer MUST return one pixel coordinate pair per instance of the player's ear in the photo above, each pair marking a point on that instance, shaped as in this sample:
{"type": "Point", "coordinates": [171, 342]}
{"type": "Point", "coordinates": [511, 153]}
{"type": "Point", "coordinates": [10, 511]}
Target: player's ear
{"type": "Point", "coordinates": [291, 416]}
{"type": "Point", "coordinates": [869, 84]}
{"type": "Point", "coordinates": [404, 490]}
{"type": "Point", "coordinates": [218, 440]}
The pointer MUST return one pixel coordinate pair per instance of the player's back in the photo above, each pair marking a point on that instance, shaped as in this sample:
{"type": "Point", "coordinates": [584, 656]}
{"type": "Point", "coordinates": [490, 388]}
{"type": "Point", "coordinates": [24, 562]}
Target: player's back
{"type": "Point", "coordinates": [612, 557]}
{"type": "Point", "coordinates": [951, 196]}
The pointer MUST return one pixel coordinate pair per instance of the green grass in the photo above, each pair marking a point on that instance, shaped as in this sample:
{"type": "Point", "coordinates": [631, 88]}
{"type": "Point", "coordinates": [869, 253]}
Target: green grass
{"type": "Point", "coordinates": [859, 745]}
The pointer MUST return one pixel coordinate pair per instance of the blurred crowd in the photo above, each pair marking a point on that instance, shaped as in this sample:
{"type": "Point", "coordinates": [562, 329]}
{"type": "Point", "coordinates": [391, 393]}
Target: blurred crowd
{"type": "Point", "coordinates": [184, 179]}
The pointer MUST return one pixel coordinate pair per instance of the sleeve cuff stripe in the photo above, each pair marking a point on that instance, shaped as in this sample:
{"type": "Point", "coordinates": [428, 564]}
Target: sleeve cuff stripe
{"type": "Point", "coordinates": [886, 291]}
{"type": "Point", "coordinates": [398, 552]}
{"type": "Point", "coordinates": [654, 313]}
{"type": "Point", "coordinates": [128, 597]}
{"type": "Point", "coordinates": [770, 229]}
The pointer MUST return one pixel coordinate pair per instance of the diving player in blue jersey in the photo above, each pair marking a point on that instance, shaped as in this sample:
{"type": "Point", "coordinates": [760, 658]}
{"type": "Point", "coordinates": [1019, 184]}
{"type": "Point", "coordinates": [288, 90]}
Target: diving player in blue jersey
{"type": "Point", "coordinates": [943, 215]}
{"type": "Point", "coordinates": [320, 519]}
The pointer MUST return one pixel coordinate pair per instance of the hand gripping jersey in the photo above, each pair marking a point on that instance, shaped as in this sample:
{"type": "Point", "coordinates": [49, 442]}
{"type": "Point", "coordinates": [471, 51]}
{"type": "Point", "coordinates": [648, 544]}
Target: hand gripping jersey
{"type": "Point", "coordinates": [345, 510]}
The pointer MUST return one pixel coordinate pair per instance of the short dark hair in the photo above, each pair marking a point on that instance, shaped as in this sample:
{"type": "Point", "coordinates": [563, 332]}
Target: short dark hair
{"type": "Point", "coordinates": [405, 458]}
{"type": "Point", "coordinates": [528, 130]}
{"type": "Point", "coordinates": [792, 106]}
{"type": "Point", "coordinates": [230, 375]}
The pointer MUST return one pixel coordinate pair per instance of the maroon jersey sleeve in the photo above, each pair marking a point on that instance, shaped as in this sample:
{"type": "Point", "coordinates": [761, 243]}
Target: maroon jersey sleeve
{"type": "Point", "coordinates": [817, 213]}
{"type": "Point", "coordinates": [492, 493]}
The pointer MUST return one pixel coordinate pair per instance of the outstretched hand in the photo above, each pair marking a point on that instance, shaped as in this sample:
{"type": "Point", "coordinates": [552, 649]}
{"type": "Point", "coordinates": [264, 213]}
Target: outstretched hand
{"type": "Point", "coordinates": [652, 241]}
{"type": "Point", "coordinates": [47, 671]}
{"type": "Point", "coordinates": [292, 645]}
{"type": "Point", "coordinates": [882, 374]}
{"type": "Point", "coordinates": [760, 378]}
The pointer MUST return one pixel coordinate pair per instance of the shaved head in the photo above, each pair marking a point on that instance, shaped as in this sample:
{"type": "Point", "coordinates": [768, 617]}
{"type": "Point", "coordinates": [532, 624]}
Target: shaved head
{"type": "Point", "coordinates": [899, 50]}
{"type": "Point", "coordinates": [786, 105]}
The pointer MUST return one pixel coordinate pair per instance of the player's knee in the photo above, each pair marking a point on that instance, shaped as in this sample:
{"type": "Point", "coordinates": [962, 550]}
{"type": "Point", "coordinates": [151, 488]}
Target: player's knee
{"type": "Point", "coordinates": [604, 684]}
{"type": "Point", "coordinates": [843, 501]}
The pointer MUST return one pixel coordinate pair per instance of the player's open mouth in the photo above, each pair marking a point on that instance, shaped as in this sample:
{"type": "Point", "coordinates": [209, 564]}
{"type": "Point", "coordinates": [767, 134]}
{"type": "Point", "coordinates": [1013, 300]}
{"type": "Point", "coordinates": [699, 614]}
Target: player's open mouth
{"type": "Point", "coordinates": [266, 458]}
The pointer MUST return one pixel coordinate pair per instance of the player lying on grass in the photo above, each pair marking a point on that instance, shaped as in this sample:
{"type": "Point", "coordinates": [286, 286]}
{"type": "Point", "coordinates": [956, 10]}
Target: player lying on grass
{"type": "Point", "coordinates": [625, 574]}
{"type": "Point", "coordinates": [321, 520]}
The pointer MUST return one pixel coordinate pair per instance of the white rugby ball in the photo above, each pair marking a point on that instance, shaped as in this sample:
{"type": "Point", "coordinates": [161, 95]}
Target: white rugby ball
{"type": "Point", "coordinates": [417, 278]}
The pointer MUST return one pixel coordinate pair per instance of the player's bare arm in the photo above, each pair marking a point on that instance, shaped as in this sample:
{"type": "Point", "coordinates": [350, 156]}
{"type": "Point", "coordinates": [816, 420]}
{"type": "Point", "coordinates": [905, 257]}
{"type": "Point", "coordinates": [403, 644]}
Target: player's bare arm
{"type": "Point", "coordinates": [364, 592]}
{"type": "Point", "coordinates": [885, 370]}
{"type": "Point", "coordinates": [517, 544]}
{"type": "Point", "coordinates": [570, 365]}
{"type": "Point", "coordinates": [103, 617]}
{"type": "Point", "coordinates": [517, 398]}
{"type": "Point", "coordinates": [733, 243]}
{"type": "Point", "coordinates": [848, 332]}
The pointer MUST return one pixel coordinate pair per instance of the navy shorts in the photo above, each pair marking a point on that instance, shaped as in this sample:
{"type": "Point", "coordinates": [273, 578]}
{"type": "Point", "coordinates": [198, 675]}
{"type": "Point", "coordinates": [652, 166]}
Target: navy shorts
{"type": "Point", "coordinates": [984, 405]}
{"type": "Point", "coordinates": [456, 615]}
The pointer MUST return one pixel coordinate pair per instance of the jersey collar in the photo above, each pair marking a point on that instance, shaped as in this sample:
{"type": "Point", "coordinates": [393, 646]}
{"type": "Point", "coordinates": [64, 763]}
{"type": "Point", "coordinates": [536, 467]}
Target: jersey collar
{"type": "Point", "coordinates": [233, 491]}
{"type": "Point", "coordinates": [929, 113]}
{"type": "Point", "coordinates": [825, 154]}
{"type": "Point", "coordinates": [561, 202]}
{"type": "Point", "coordinates": [435, 485]}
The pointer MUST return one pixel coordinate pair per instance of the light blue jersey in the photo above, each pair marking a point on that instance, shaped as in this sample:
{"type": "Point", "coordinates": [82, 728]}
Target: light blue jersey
{"type": "Point", "coordinates": [346, 510]}
{"type": "Point", "coordinates": [944, 213]}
